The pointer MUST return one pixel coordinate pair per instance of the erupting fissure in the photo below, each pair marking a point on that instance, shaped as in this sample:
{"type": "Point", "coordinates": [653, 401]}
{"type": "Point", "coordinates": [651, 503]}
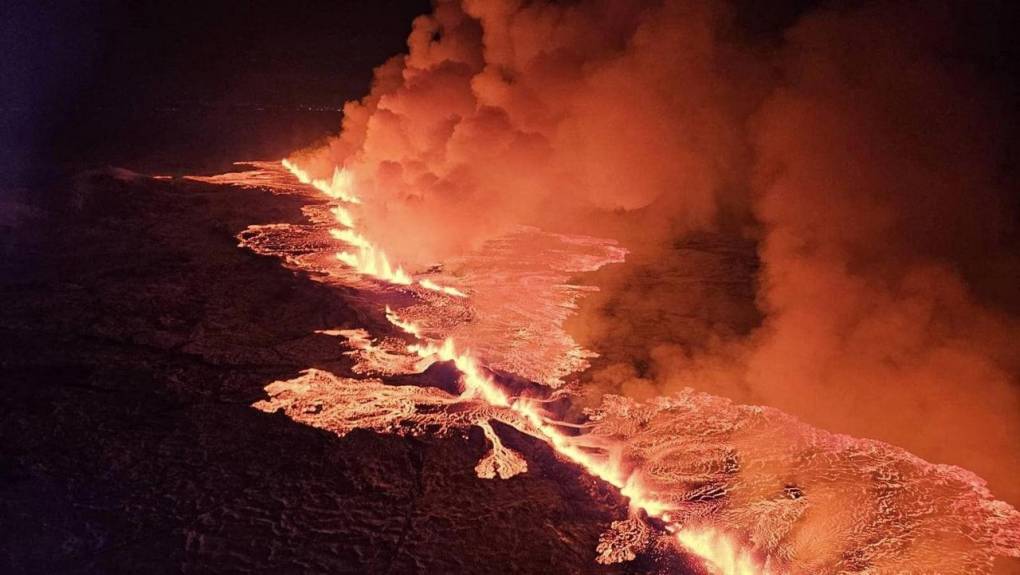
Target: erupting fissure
{"type": "Point", "coordinates": [339, 186]}
{"type": "Point", "coordinates": [368, 259]}
{"type": "Point", "coordinates": [718, 550]}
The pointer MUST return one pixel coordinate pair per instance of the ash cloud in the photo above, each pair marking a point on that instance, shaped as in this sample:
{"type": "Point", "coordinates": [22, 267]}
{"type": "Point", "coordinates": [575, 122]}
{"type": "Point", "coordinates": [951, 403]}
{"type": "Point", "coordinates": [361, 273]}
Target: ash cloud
{"type": "Point", "coordinates": [822, 218]}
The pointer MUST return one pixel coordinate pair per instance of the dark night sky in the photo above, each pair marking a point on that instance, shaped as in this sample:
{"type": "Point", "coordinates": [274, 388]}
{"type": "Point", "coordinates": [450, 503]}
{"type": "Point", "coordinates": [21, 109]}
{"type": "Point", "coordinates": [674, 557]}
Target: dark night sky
{"type": "Point", "coordinates": [94, 80]}
{"type": "Point", "coordinates": [151, 53]}
{"type": "Point", "coordinates": [80, 75]}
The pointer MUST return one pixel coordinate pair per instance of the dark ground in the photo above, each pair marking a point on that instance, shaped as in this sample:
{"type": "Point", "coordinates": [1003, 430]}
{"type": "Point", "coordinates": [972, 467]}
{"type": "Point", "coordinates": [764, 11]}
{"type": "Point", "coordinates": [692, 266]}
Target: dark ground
{"type": "Point", "coordinates": [136, 334]}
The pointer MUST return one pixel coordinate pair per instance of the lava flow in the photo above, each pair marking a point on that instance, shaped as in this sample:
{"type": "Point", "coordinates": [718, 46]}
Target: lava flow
{"type": "Point", "coordinates": [718, 550]}
{"type": "Point", "coordinates": [747, 489]}
{"type": "Point", "coordinates": [721, 552]}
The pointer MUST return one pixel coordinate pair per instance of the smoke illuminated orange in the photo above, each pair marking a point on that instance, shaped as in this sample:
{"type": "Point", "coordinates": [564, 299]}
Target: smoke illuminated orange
{"type": "Point", "coordinates": [368, 259]}
{"type": "Point", "coordinates": [339, 186]}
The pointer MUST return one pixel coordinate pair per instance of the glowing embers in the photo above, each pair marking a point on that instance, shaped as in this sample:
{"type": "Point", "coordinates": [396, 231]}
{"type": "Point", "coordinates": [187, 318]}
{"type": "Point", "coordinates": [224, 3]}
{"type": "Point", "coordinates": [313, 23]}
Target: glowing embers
{"type": "Point", "coordinates": [341, 405]}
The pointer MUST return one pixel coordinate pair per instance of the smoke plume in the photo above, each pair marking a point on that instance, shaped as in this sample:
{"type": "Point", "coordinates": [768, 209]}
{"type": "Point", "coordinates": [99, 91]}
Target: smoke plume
{"type": "Point", "coordinates": [507, 112]}
{"type": "Point", "coordinates": [822, 217]}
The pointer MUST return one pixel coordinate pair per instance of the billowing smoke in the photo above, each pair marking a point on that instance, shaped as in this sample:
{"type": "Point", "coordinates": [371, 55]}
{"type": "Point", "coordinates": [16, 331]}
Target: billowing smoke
{"type": "Point", "coordinates": [880, 190]}
{"type": "Point", "coordinates": [510, 112]}
{"type": "Point", "coordinates": [822, 217]}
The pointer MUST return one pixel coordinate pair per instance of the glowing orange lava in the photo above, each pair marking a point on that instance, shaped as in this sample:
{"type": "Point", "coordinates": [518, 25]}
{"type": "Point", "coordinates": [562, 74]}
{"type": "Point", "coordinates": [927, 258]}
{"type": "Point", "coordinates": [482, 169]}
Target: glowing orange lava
{"type": "Point", "coordinates": [339, 186]}
{"type": "Point", "coordinates": [719, 551]}
{"type": "Point", "coordinates": [368, 259]}
{"type": "Point", "coordinates": [343, 216]}
{"type": "Point", "coordinates": [431, 285]}
{"type": "Point", "coordinates": [405, 326]}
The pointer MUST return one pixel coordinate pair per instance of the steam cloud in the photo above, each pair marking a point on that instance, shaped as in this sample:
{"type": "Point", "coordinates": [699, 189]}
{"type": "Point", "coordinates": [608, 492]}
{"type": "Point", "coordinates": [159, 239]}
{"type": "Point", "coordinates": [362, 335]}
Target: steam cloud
{"type": "Point", "coordinates": [854, 164]}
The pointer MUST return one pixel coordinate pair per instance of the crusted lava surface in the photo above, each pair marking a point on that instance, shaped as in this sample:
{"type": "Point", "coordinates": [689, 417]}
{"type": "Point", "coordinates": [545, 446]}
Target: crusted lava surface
{"type": "Point", "coordinates": [136, 338]}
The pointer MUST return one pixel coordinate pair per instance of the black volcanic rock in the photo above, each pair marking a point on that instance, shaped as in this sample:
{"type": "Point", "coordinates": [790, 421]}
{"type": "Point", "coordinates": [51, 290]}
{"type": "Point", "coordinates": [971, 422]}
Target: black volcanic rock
{"type": "Point", "coordinates": [136, 335]}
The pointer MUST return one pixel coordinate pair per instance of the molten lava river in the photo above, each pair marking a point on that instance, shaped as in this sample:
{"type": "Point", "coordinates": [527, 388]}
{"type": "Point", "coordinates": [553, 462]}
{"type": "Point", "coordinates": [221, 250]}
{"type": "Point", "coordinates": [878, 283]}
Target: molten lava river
{"type": "Point", "coordinates": [744, 489]}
